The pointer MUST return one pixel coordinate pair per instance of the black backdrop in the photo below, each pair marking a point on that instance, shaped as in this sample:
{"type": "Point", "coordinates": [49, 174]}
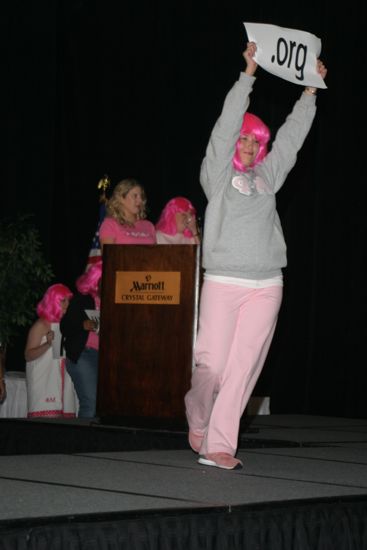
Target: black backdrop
{"type": "Point", "coordinates": [130, 88]}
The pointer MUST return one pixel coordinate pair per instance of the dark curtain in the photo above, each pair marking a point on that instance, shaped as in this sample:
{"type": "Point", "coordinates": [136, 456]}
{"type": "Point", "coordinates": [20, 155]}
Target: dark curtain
{"type": "Point", "coordinates": [133, 89]}
{"type": "Point", "coordinates": [334, 525]}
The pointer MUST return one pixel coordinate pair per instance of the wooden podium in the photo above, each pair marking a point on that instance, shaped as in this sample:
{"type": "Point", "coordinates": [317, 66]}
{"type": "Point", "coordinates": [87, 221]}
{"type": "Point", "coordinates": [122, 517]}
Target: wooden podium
{"type": "Point", "coordinates": [149, 306]}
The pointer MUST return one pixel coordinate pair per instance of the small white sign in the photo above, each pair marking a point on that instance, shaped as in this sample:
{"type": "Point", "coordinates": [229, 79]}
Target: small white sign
{"type": "Point", "coordinates": [288, 53]}
{"type": "Point", "coordinates": [94, 315]}
{"type": "Point", "coordinates": [56, 342]}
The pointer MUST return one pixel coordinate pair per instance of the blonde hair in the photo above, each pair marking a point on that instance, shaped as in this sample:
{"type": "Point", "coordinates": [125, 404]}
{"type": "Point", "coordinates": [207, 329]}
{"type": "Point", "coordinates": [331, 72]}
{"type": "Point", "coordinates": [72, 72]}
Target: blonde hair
{"type": "Point", "coordinates": [114, 208]}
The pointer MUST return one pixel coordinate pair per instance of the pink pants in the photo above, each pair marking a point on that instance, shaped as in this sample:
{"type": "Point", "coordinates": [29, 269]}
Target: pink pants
{"type": "Point", "coordinates": [236, 326]}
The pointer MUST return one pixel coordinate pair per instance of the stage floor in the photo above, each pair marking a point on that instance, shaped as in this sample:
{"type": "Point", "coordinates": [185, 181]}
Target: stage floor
{"type": "Point", "coordinates": [287, 459]}
{"type": "Point", "coordinates": [298, 457]}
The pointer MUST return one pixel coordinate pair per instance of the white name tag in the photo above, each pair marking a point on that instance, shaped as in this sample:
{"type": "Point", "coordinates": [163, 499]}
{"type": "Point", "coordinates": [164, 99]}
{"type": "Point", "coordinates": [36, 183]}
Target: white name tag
{"type": "Point", "coordinates": [287, 53]}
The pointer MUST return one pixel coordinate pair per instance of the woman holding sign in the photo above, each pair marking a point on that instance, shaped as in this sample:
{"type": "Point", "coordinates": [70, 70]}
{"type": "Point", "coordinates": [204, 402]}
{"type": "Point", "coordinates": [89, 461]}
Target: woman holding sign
{"type": "Point", "coordinates": [243, 256]}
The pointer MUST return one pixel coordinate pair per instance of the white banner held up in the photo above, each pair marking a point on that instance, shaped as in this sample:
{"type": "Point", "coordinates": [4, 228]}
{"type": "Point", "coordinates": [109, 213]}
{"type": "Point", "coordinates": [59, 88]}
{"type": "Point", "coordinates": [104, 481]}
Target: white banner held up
{"type": "Point", "coordinates": [287, 53]}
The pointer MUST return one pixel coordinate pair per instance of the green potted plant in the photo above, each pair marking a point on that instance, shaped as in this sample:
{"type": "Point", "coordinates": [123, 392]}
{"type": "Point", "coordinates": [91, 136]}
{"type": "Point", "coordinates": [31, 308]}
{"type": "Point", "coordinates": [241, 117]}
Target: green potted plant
{"type": "Point", "coordinates": [24, 275]}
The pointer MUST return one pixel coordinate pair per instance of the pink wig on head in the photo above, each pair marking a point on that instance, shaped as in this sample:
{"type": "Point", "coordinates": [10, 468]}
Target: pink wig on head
{"type": "Point", "coordinates": [252, 124]}
{"type": "Point", "coordinates": [49, 308]}
{"type": "Point", "coordinates": [87, 283]}
{"type": "Point", "coordinates": [167, 220]}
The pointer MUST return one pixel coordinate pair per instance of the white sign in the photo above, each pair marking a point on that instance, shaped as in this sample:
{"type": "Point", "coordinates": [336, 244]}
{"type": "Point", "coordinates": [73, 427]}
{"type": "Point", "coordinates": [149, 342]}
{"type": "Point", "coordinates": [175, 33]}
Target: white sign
{"type": "Point", "coordinates": [287, 53]}
{"type": "Point", "coordinates": [56, 342]}
{"type": "Point", "coordinates": [94, 315]}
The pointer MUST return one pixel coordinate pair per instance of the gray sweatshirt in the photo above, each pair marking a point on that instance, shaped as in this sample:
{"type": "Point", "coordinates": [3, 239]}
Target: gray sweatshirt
{"type": "Point", "coordinates": [243, 236]}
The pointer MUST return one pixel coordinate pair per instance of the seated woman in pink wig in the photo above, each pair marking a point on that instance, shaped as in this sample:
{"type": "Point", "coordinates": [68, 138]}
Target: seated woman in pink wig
{"type": "Point", "coordinates": [50, 391]}
{"type": "Point", "coordinates": [177, 223]}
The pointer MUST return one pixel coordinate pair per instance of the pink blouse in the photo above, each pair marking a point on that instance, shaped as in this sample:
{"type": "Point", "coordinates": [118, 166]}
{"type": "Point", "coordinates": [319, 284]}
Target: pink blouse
{"type": "Point", "coordinates": [142, 232]}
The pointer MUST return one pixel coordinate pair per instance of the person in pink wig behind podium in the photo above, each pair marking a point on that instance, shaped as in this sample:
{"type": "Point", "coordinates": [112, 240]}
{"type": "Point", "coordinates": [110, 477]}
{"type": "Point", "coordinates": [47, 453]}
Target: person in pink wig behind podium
{"type": "Point", "coordinates": [177, 223]}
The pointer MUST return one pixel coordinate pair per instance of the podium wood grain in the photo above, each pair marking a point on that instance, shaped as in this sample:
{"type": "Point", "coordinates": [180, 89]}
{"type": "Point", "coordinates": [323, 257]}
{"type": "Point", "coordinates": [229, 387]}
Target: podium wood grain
{"type": "Point", "coordinates": [146, 350]}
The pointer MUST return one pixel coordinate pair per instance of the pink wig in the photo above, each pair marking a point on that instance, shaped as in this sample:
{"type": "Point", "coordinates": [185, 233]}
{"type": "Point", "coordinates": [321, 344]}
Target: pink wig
{"type": "Point", "coordinates": [87, 283]}
{"type": "Point", "coordinates": [49, 308]}
{"type": "Point", "coordinates": [252, 124]}
{"type": "Point", "coordinates": [167, 219]}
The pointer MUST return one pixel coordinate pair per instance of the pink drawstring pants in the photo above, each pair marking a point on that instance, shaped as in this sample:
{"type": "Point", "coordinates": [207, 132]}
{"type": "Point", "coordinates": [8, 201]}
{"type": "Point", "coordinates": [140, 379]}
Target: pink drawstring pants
{"type": "Point", "coordinates": [236, 326]}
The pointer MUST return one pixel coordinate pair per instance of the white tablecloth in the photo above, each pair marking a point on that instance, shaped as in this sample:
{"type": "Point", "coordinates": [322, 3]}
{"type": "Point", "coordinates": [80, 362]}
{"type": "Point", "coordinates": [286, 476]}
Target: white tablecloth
{"type": "Point", "coordinates": [15, 404]}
